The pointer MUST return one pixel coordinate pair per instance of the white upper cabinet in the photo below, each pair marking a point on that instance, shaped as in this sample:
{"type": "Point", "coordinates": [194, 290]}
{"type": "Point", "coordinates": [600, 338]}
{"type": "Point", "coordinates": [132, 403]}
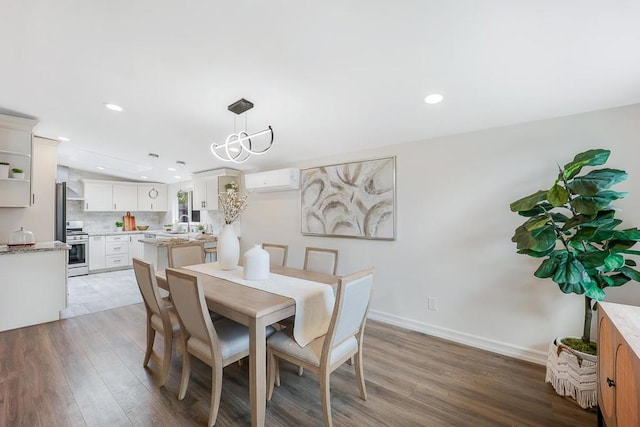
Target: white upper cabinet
{"type": "Point", "coordinates": [125, 197]}
{"type": "Point", "coordinates": [206, 188]}
{"type": "Point", "coordinates": [146, 203]}
{"type": "Point", "coordinates": [15, 149]}
{"type": "Point", "coordinates": [98, 196]}
{"type": "Point", "coordinates": [110, 196]}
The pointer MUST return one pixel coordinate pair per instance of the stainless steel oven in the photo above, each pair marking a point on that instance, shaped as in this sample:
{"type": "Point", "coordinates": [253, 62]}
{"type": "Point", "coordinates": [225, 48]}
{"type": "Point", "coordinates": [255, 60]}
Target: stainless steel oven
{"type": "Point", "coordinates": [79, 252]}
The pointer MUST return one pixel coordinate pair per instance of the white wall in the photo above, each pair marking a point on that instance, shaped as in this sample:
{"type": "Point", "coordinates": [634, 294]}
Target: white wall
{"type": "Point", "coordinates": [454, 228]}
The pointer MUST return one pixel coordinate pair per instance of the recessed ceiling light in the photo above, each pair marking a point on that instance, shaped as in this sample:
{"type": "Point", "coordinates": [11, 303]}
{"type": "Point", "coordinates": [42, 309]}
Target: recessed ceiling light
{"type": "Point", "coordinates": [63, 138]}
{"type": "Point", "coordinates": [434, 98]}
{"type": "Point", "coordinates": [144, 177]}
{"type": "Point", "coordinates": [177, 176]}
{"type": "Point", "coordinates": [172, 169]}
{"type": "Point", "coordinates": [113, 107]}
{"type": "Point", "coordinates": [99, 167]}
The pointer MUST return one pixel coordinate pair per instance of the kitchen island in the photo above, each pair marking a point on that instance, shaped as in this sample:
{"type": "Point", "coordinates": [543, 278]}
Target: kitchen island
{"type": "Point", "coordinates": [33, 284]}
{"type": "Point", "coordinates": [155, 249]}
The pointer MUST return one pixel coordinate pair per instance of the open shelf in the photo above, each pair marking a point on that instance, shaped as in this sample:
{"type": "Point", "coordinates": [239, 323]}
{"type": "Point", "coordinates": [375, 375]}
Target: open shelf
{"type": "Point", "coordinates": [14, 180]}
{"type": "Point", "coordinates": [15, 153]}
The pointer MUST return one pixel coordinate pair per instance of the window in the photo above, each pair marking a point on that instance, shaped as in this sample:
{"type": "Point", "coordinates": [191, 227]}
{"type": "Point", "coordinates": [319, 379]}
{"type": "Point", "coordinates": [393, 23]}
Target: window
{"type": "Point", "coordinates": [185, 207]}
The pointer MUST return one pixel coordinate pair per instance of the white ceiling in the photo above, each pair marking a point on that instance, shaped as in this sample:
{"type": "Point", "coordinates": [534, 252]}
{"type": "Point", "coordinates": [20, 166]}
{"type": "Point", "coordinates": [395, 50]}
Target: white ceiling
{"type": "Point", "coordinates": [330, 77]}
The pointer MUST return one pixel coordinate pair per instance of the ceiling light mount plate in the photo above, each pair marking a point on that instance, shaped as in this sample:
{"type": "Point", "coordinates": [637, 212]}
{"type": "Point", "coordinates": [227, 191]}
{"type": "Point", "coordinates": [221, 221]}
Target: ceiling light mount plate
{"type": "Point", "coordinates": [240, 106]}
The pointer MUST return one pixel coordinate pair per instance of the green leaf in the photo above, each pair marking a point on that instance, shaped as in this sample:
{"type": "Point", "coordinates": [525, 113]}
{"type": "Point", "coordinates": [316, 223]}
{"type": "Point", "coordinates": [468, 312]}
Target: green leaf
{"type": "Point", "coordinates": [569, 274]}
{"type": "Point", "coordinates": [558, 217]}
{"type": "Point", "coordinates": [558, 195]}
{"type": "Point", "coordinates": [594, 259]}
{"type": "Point", "coordinates": [596, 181]}
{"type": "Point", "coordinates": [592, 290]}
{"type": "Point", "coordinates": [618, 279]}
{"type": "Point", "coordinates": [539, 240]}
{"type": "Point", "coordinates": [536, 222]}
{"type": "Point", "coordinates": [535, 254]}
{"type": "Point", "coordinates": [612, 263]}
{"type": "Point", "coordinates": [538, 209]}
{"type": "Point", "coordinates": [591, 205]}
{"type": "Point", "coordinates": [527, 203]}
{"type": "Point", "coordinates": [550, 265]}
{"type": "Point", "coordinates": [630, 262]}
{"type": "Point", "coordinates": [588, 158]}
{"type": "Point", "coordinates": [632, 234]}
{"type": "Point", "coordinates": [631, 273]}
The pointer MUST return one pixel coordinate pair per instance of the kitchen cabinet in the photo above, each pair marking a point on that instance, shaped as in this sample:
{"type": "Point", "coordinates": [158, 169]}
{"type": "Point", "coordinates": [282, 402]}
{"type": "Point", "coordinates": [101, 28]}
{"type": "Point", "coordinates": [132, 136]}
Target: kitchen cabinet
{"type": "Point", "coordinates": [98, 196]}
{"type": "Point", "coordinates": [146, 203]}
{"type": "Point", "coordinates": [206, 190]}
{"type": "Point", "coordinates": [618, 365]}
{"type": "Point", "coordinates": [16, 149]}
{"type": "Point", "coordinates": [125, 197]}
{"type": "Point", "coordinates": [97, 253]}
{"type": "Point", "coordinates": [136, 247]}
{"type": "Point", "coordinates": [117, 251]}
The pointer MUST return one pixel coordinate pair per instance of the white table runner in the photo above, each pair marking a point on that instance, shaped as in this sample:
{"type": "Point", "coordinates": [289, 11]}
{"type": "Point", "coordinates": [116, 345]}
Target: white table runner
{"type": "Point", "coordinates": [314, 301]}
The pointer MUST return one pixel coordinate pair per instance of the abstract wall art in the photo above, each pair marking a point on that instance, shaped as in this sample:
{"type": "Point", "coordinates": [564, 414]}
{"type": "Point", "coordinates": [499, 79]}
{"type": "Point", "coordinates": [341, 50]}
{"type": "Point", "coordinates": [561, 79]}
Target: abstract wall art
{"type": "Point", "coordinates": [350, 200]}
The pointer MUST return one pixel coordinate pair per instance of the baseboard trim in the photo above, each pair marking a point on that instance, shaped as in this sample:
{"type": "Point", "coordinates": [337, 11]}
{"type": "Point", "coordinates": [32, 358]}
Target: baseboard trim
{"type": "Point", "coordinates": [523, 353]}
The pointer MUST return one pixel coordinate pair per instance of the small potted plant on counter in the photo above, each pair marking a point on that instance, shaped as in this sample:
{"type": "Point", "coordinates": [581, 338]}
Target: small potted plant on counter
{"type": "Point", "coordinates": [231, 187]}
{"type": "Point", "coordinates": [17, 173]}
{"type": "Point", "coordinates": [4, 170]}
{"type": "Point", "coordinates": [119, 225]}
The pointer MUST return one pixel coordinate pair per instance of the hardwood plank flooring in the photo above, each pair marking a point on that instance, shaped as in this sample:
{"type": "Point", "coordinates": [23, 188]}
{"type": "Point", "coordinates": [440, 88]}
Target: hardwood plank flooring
{"type": "Point", "coordinates": [87, 371]}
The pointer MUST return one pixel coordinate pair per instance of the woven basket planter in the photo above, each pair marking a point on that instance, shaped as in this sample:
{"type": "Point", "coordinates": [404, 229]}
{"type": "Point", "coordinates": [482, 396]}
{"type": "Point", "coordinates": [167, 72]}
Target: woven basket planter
{"type": "Point", "coordinates": [572, 373]}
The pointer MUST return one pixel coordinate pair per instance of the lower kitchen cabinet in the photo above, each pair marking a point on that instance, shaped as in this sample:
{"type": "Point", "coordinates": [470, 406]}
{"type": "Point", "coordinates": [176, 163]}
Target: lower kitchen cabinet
{"type": "Point", "coordinates": [136, 247]}
{"type": "Point", "coordinates": [96, 253]}
{"type": "Point", "coordinates": [618, 365]}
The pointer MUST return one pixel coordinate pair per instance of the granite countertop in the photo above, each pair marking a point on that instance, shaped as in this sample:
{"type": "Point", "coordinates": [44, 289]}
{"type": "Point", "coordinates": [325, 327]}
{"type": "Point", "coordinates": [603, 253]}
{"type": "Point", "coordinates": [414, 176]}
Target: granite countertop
{"type": "Point", "coordinates": [37, 247]}
{"type": "Point", "coordinates": [166, 241]}
{"type": "Point", "coordinates": [114, 233]}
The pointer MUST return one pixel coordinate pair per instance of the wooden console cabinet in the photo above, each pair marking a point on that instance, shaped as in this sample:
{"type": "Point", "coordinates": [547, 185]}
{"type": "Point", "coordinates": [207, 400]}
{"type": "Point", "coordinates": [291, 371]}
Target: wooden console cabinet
{"type": "Point", "coordinates": [618, 365]}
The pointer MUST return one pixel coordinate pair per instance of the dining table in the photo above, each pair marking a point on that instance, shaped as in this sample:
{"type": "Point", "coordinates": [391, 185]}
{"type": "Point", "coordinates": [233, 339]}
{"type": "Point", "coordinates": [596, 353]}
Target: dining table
{"type": "Point", "coordinates": [255, 309]}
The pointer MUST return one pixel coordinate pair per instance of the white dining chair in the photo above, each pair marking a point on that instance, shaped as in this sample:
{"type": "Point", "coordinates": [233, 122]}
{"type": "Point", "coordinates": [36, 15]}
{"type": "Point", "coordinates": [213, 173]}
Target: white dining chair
{"type": "Point", "coordinates": [185, 254]}
{"type": "Point", "coordinates": [218, 344]}
{"type": "Point", "coordinates": [321, 260]}
{"type": "Point", "coordinates": [160, 318]}
{"type": "Point", "coordinates": [277, 253]}
{"type": "Point", "coordinates": [328, 352]}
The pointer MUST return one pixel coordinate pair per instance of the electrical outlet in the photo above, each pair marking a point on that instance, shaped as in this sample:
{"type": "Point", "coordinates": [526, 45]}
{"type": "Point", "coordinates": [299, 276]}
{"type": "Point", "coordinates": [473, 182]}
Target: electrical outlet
{"type": "Point", "coordinates": [432, 303]}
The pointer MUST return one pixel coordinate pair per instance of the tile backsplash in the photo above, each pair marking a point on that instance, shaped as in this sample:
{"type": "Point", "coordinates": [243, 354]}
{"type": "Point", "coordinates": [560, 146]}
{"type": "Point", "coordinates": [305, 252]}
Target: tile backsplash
{"type": "Point", "coordinates": [105, 221]}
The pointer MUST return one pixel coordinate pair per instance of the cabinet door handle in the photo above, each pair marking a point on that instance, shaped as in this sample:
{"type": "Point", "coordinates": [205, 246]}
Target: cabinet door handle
{"type": "Point", "coordinates": [151, 206]}
{"type": "Point", "coordinates": [86, 205]}
{"type": "Point", "coordinates": [33, 199]}
{"type": "Point", "coordinates": [610, 382]}
{"type": "Point", "coordinates": [114, 207]}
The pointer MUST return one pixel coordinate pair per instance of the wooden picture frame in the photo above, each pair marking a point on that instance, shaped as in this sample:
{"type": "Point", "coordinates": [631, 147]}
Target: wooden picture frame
{"type": "Point", "coordinates": [356, 200]}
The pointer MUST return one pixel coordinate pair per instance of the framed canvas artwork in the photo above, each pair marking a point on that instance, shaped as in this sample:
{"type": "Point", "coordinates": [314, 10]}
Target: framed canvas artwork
{"type": "Point", "coordinates": [350, 200]}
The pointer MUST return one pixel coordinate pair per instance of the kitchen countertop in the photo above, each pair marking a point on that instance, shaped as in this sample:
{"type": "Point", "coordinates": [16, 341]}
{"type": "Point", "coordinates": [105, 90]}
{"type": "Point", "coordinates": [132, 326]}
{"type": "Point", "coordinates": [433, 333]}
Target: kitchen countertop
{"type": "Point", "coordinates": [166, 241]}
{"type": "Point", "coordinates": [37, 247]}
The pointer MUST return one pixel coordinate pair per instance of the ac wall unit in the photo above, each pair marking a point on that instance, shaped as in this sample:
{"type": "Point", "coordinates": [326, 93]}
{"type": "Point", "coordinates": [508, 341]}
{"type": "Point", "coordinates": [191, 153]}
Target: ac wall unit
{"type": "Point", "coordinates": [277, 180]}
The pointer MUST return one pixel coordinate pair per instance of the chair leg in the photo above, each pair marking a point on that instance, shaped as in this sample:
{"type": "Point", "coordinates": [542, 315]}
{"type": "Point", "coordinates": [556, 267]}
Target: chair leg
{"type": "Point", "coordinates": [151, 336]}
{"type": "Point", "coordinates": [277, 382]}
{"type": "Point", "coordinates": [166, 358]}
{"type": "Point", "coordinates": [216, 391]}
{"type": "Point", "coordinates": [186, 372]}
{"type": "Point", "coordinates": [300, 371]}
{"type": "Point", "coordinates": [272, 366]}
{"type": "Point", "coordinates": [360, 376]}
{"type": "Point", "coordinates": [351, 361]}
{"type": "Point", "coordinates": [325, 396]}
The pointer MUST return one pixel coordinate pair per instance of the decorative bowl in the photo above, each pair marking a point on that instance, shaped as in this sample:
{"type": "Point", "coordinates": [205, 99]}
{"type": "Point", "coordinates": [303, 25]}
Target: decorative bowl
{"type": "Point", "coordinates": [142, 227]}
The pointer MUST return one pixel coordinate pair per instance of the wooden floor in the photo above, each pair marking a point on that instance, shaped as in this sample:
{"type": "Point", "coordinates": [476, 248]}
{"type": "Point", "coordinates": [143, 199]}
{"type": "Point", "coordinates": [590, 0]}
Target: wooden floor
{"type": "Point", "coordinates": [87, 371]}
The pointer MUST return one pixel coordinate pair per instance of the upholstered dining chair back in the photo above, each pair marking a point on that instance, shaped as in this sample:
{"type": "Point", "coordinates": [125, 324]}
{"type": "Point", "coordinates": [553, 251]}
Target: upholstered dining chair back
{"type": "Point", "coordinates": [159, 318]}
{"type": "Point", "coordinates": [188, 299]}
{"type": "Point", "coordinates": [351, 307]}
{"type": "Point", "coordinates": [146, 279]}
{"type": "Point", "coordinates": [277, 253]}
{"type": "Point", "coordinates": [321, 260]}
{"type": "Point", "coordinates": [185, 254]}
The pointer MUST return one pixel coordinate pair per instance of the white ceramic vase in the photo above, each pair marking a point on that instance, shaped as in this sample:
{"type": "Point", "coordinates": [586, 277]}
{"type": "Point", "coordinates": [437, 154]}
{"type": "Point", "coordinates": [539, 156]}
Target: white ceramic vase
{"type": "Point", "coordinates": [4, 171]}
{"type": "Point", "coordinates": [256, 264]}
{"type": "Point", "coordinates": [228, 248]}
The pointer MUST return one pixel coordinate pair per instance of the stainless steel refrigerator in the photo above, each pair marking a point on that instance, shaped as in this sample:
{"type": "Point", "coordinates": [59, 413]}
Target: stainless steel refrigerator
{"type": "Point", "coordinates": [61, 212]}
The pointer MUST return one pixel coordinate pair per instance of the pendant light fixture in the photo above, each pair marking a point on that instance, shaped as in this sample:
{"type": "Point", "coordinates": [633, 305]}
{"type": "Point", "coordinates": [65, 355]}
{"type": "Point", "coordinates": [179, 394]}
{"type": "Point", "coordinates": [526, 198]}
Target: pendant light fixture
{"type": "Point", "coordinates": [153, 193]}
{"type": "Point", "coordinates": [239, 146]}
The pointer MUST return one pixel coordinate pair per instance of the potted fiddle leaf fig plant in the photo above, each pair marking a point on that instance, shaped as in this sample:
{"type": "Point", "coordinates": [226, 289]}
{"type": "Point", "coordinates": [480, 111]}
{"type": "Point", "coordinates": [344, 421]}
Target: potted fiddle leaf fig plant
{"type": "Point", "coordinates": [572, 227]}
